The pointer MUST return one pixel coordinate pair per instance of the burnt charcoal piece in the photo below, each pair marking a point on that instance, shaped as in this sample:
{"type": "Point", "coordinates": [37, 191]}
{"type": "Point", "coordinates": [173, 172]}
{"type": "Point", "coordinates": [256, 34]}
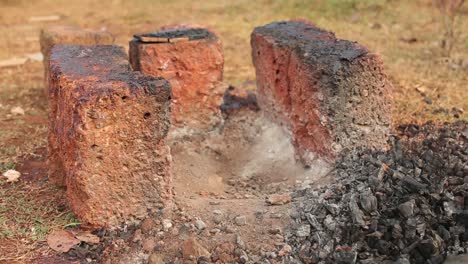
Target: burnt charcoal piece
{"type": "Point", "coordinates": [107, 132]}
{"type": "Point", "coordinates": [235, 99]}
{"type": "Point", "coordinates": [332, 94]}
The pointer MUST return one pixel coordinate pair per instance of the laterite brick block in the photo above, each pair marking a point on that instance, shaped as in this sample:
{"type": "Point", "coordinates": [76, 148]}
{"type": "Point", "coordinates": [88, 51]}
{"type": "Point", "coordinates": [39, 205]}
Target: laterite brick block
{"type": "Point", "coordinates": [56, 35]}
{"type": "Point", "coordinates": [331, 94]}
{"type": "Point", "coordinates": [191, 59]}
{"type": "Point", "coordinates": [107, 132]}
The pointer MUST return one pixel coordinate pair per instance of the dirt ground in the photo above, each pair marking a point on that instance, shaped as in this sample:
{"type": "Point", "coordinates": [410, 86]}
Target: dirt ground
{"type": "Point", "coordinates": [407, 34]}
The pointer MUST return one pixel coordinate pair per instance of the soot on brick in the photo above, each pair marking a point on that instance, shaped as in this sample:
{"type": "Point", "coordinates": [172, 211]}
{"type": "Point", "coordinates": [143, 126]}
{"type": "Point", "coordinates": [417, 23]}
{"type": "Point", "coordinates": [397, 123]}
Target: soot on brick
{"type": "Point", "coordinates": [190, 33]}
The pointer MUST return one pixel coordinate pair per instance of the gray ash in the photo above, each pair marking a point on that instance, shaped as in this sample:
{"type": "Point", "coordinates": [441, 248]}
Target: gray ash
{"type": "Point", "coordinates": [405, 205]}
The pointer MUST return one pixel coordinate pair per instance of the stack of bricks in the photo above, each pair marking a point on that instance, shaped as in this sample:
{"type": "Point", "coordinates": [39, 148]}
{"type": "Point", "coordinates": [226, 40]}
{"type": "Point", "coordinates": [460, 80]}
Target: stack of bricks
{"type": "Point", "coordinates": [59, 35]}
{"type": "Point", "coordinates": [331, 94]}
{"type": "Point", "coordinates": [191, 59]}
{"type": "Point", "coordinates": [107, 134]}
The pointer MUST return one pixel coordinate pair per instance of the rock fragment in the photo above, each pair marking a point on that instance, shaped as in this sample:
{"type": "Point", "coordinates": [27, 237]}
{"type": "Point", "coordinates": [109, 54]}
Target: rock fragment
{"type": "Point", "coordinates": [192, 248]}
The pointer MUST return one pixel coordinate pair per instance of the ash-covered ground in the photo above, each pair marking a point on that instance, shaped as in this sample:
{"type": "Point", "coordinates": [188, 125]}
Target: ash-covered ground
{"type": "Point", "coordinates": [405, 205]}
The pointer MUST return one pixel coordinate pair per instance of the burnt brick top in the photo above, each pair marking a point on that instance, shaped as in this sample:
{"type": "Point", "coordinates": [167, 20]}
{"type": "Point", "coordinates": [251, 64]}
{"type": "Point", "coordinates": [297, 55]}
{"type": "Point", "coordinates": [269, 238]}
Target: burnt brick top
{"type": "Point", "coordinates": [102, 64]}
{"type": "Point", "coordinates": [190, 33]}
{"type": "Point", "coordinates": [312, 43]}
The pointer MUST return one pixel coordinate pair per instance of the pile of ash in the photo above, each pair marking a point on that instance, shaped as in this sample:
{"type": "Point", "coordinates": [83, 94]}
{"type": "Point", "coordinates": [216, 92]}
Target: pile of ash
{"type": "Point", "coordinates": [405, 205]}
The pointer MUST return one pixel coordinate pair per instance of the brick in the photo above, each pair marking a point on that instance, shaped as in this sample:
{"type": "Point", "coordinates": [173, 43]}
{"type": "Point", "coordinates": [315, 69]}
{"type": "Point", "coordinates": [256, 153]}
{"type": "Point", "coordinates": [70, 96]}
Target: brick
{"type": "Point", "coordinates": [49, 37]}
{"type": "Point", "coordinates": [107, 134]}
{"type": "Point", "coordinates": [191, 59]}
{"type": "Point", "coordinates": [331, 94]}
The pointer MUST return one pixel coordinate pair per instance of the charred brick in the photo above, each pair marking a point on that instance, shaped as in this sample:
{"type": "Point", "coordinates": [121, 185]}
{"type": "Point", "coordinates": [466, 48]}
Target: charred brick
{"type": "Point", "coordinates": [107, 131]}
{"type": "Point", "coordinates": [331, 94]}
{"type": "Point", "coordinates": [191, 59]}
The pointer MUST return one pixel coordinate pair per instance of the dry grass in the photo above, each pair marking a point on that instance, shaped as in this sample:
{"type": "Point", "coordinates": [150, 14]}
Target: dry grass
{"type": "Point", "coordinates": [405, 33]}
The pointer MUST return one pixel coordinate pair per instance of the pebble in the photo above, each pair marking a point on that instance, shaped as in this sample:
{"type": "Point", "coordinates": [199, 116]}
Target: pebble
{"type": "Point", "coordinates": [200, 225]}
{"type": "Point", "coordinates": [406, 209]}
{"type": "Point", "coordinates": [243, 259]}
{"type": "Point", "coordinates": [147, 225]}
{"type": "Point", "coordinates": [148, 244]}
{"type": "Point", "coordinates": [276, 215]}
{"type": "Point", "coordinates": [303, 231]}
{"type": "Point", "coordinates": [214, 231]}
{"type": "Point", "coordinates": [275, 230]}
{"type": "Point", "coordinates": [239, 242]}
{"type": "Point", "coordinates": [137, 236]}
{"type": "Point", "coordinates": [285, 250]}
{"type": "Point", "coordinates": [155, 258]}
{"type": "Point", "coordinates": [270, 255]}
{"type": "Point", "coordinates": [240, 220]}
{"type": "Point", "coordinates": [279, 199]}
{"type": "Point", "coordinates": [167, 224]}
{"type": "Point", "coordinates": [191, 248]}
{"type": "Point", "coordinates": [17, 110]}
{"type": "Point", "coordinates": [217, 219]}
{"type": "Point", "coordinates": [12, 175]}
{"type": "Point", "coordinates": [229, 229]}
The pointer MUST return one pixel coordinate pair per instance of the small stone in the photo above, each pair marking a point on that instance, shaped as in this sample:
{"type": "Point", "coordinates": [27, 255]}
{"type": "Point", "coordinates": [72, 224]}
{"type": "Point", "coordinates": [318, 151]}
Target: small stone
{"type": "Point", "coordinates": [427, 100]}
{"type": "Point", "coordinates": [276, 215]}
{"type": "Point", "coordinates": [215, 202]}
{"type": "Point", "coordinates": [167, 224]}
{"type": "Point", "coordinates": [345, 257]}
{"type": "Point", "coordinates": [270, 255]}
{"type": "Point", "coordinates": [148, 244]}
{"type": "Point", "coordinates": [279, 199]}
{"type": "Point", "coordinates": [229, 230]}
{"type": "Point", "coordinates": [200, 225]}
{"type": "Point", "coordinates": [191, 248]}
{"type": "Point", "coordinates": [137, 236]}
{"type": "Point", "coordinates": [243, 259]}
{"type": "Point", "coordinates": [214, 231]}
{"type": "Point", "coordinates": [303, 231]}
{"type": "Point", "coordinates": [275, 230]}
{"type": "Point", "coordinates": [12, 175]}
{"type": "Point", "coordinates": [240, 220]}
{"type": "Point", "coordinates": [402, 260]}
{"type": "Point", "coordinates": [406, 209]}
{"type": "Point", "coordinates": [147, 225]}
{"type": "Point", "coordinates": [155, 259]}
{"type": "Point", "coordinates": [17, 110]}
{"type": "Point", "coordinates": [217, 212]}
{"type": "Point", "coordinates": [368, 202]}
{"type": "Point", "coordinates": [217, 219]}
{"type": "Point", "coordinates": [286, 250]}
{"type": "Point", "coordinates": [239, 242]}
{"type": "Point", "coordinates": [329, 223]}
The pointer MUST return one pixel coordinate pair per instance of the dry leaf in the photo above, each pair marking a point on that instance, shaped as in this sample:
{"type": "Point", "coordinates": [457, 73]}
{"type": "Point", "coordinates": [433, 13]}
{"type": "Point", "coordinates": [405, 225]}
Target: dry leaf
{"type": "Point", "coordinates": [61, 241]}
